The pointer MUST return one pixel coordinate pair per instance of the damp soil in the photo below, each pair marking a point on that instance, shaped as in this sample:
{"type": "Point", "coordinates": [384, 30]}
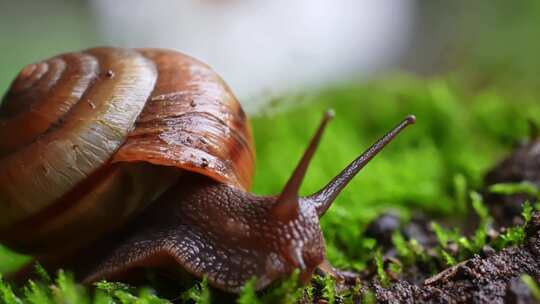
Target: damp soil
{"type": "Point", "coordinates": [492, 279]}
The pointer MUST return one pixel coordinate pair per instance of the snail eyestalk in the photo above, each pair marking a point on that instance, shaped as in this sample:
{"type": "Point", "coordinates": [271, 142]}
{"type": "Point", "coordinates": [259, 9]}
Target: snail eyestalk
{"type": "Point", "coordinates": [287, 204]}
{"type": "Point", "coordinates": [324, 197]}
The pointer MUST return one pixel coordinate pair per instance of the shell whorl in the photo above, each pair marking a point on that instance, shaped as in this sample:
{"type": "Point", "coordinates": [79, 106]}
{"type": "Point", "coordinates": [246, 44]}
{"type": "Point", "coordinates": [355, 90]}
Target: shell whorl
{"type": "Point", "coordinates": [90, 138]}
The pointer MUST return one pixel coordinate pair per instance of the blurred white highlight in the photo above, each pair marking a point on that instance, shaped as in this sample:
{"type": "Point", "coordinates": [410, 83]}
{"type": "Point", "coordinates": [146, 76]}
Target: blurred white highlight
{"type": "Point", "coordinates": [267, 48]}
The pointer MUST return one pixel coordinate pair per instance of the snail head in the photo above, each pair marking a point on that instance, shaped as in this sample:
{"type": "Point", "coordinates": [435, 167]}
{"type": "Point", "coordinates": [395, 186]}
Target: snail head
{"type": "Point", "coordinates": [300, 239]}
{"type": "Point", "coordinates": [271, 236]}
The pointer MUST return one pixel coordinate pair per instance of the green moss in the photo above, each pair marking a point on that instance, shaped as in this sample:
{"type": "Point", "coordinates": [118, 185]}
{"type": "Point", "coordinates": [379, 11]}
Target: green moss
{"type": "Point", "coordinates": [514, 235]}
{"type": "Point", "coordinates": [369, 298]}
{"type": "Point", "coordinates": [533, 285]}
{"type": "Point", "coordinates": [403, 248]}
{"type": "Point", "coordinates": [37, 293]}
{"type": "Point", "coordinates": [10, 261]}
{"type": "Point", "coordinates": [327, 285]}
{"type": "Point", "coordinates": [7, 295]}
{"type": "Point", "coordinates": [381, 272]}
{"type": "Point", "coordinates": [248, 294]}
{"type": "Point", "coordinates": [516, 188]}
{"type": "Point", "coordinates": [200, 294]}
{"type": "Point", "coordinates": [448, 259]}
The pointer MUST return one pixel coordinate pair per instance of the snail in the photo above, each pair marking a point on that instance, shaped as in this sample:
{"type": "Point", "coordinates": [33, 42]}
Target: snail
{"type": "Point", "coordinates": [115, 160]}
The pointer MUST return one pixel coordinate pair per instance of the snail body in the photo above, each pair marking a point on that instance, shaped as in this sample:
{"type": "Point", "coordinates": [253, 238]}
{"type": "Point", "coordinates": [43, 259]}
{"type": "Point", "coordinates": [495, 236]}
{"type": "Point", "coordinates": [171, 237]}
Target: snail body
{"type": "Point", "coordinates": [108, 138]}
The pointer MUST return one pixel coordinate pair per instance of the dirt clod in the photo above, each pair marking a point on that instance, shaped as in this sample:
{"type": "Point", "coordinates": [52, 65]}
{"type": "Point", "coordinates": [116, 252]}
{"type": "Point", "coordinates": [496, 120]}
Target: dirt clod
{"type": "Point", "coordinates": [493, 279]}
{"type": "Point", "coordinates": [523, 165]}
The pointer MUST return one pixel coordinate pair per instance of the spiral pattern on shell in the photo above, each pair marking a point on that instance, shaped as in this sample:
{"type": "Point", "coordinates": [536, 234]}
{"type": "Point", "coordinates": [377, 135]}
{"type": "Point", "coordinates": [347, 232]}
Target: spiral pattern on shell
{"type": "Point", "coordinates": [91, 138]}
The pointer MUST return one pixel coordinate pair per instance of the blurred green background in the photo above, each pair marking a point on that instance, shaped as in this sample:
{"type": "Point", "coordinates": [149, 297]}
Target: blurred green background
{"type": "Point", "coordinates": [469, 72]}
{"type": "Point", "coordinates": [486, 41]}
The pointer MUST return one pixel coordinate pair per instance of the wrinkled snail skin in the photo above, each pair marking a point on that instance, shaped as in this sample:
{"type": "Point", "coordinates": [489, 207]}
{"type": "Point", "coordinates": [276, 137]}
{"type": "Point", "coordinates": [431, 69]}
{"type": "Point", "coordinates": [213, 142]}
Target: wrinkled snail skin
{"type": "Point", "coordinates": [215, 231]}
{"type": "Point", "coordinates": [116, 160]}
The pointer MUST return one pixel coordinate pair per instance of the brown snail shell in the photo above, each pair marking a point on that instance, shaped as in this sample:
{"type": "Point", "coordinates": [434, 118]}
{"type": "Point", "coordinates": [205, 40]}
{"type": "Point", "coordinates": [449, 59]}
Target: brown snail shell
{"type": "Point", "coordinates": [90, 138]}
